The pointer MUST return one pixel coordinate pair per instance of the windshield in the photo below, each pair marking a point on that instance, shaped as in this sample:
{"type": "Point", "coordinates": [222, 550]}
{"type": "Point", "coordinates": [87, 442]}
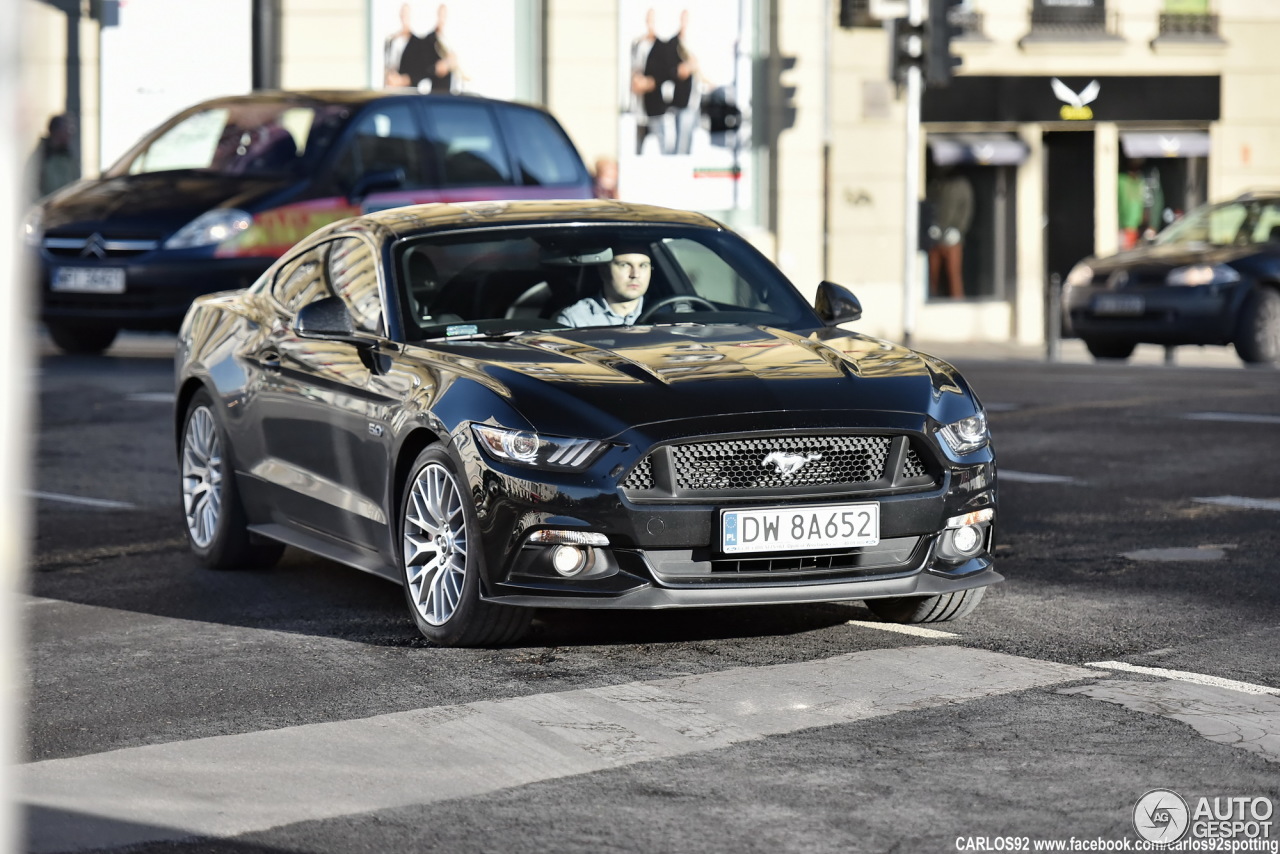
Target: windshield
{"type": "Point", "coordinates": [1238, 223]}
{"type": "Point", "coordinates": [500, 282]}
{"type": "Point", "coordinates": [238, 138]}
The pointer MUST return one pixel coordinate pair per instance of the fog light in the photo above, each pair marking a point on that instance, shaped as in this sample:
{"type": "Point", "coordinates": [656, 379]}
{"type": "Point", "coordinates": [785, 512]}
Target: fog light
{"type": "Point", "coordinates": [568, 560]}
{"type": "Point", "coordinates": [966, 539]}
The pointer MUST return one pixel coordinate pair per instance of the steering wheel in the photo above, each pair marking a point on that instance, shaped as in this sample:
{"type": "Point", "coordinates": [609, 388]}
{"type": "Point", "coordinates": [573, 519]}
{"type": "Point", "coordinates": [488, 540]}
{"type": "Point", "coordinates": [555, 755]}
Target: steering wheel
{"type": "Point", "coordinates": [666, 301]}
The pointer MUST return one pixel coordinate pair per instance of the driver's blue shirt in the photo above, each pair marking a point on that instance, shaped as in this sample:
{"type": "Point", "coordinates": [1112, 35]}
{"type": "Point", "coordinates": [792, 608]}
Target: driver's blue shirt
{"type": "Point", "coordinates": [594, 311]}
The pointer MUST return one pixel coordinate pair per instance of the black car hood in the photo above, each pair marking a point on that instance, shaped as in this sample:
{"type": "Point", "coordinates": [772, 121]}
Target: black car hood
{"type": "Point", "coordinates": [1167, 257]}
{"type": "Point", "coordinates": [154, 204]}
{"type": "Point", "coordinates": [597, 383]}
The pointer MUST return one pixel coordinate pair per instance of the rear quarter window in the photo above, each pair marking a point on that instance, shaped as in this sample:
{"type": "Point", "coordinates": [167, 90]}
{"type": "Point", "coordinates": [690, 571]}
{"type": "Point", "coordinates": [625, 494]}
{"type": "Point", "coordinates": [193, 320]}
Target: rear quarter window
{"type": "Point", "coordinates": [543, 154]}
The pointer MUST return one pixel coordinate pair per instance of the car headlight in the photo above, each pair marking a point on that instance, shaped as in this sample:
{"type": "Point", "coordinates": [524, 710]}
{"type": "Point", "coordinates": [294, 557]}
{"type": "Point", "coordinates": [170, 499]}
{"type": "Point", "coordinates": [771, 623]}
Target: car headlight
{"type": "Point", "coordinates": [33, 226]}
{"type": "Point", "coordinates": [1081, 274]}
{"type": "Point", "coordinates": [968, 434]}
{"type": "Point", "coordinates": [215, 226]}
{"type": "Point", "coordinates": [1202, 274]}
{"type": "Point", "coordinates": [531, 449]}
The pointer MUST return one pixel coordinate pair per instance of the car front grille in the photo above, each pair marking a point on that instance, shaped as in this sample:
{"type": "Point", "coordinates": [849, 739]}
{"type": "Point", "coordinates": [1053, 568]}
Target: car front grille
{"type": "Point", "coordinates": [97, 246]}
{"type": "Point", "coordinates": [679, 568]}
{"type": "Point", "coordinates": [777, 465]}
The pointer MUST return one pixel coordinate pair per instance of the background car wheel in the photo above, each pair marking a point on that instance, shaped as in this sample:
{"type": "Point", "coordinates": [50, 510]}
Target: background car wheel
{"type": "Point", "coordinates": [1110, 349]}
{"type": "Point", "coordinates": [442, 561]}
{"type": "Point", "coordinates": [927, 609]}
{"type": "Point", "coordinates": [82, 340]}
{"type": "Point", "coordinates": [1258, 335]}
{"type": "Point", "coordinates": [216, 525]}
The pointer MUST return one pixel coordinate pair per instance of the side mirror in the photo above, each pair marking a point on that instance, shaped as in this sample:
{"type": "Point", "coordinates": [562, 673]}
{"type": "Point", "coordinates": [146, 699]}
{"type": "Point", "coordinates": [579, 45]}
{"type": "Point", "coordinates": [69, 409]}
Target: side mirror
{"type": "Point", "coordinates": [836, 304]}
{"type": "Point", "coordinates": [327, 320]}
{"type": "Point", "coordinates": [380, 181]}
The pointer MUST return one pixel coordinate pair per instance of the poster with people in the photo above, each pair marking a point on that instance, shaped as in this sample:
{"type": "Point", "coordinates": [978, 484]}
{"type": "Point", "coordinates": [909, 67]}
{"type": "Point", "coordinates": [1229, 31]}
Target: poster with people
{"type": "Point", "coordinates": [466, 46]}
{"type": "Point", "coordinates": [684, 126]}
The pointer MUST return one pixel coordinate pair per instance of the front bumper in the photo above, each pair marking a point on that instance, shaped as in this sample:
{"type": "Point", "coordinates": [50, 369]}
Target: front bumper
{"type": "Point", "coordinates": [666, 555]}
{"type": "Point", "coordinates": [158, 289]}
{"type": "Point", "coordinates": [1204, 314]}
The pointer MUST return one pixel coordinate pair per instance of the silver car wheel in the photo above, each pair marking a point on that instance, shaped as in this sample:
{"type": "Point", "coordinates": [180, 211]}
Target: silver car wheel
{"type": "Point", "coordinates": [202, 476]}
{"type": "Point", "coordinates": [435, 544]}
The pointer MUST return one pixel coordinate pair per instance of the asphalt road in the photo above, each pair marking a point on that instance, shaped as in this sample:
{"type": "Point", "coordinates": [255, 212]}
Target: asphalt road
{"type": "Point", "coordinates": [1133, 647]}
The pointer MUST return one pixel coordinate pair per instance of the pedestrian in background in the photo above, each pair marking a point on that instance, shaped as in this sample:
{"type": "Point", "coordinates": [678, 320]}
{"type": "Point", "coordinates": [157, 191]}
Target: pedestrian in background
{"type": "Point", "coordinates": [53, 163]}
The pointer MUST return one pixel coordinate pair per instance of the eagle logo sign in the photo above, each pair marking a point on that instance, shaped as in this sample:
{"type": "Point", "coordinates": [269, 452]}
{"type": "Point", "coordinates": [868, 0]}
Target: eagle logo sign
{"type": "Point", "coordinates": [787, 464]}
{"type": "Point", "coordinates": [1075, 107]}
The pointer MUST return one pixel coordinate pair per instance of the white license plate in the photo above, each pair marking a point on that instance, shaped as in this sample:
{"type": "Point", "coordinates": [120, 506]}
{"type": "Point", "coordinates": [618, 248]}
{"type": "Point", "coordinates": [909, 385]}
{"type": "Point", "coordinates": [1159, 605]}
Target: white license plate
{"type": "Point", "coordinates": [88, 280]}
{"type": "Point", "coordinates": [830, 526]}
{"type": "Point", "coordinates": [1121, 305]}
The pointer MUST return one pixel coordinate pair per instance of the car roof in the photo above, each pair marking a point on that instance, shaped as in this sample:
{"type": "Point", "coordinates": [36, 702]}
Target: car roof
{"type": "Point", "coordinates": [347, 97]}
{"type": "Point", "coordinates": [417, 218]}
{"type": "Point", "coordinates": [1257, 195]}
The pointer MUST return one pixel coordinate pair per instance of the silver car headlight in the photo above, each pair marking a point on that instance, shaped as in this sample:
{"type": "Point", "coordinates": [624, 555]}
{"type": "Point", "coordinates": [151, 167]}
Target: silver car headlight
{"type": "Point", "coordinates": [968, 434]}
{"type": "Point", "coordinates": [33, 226]}
{"type": "Point", "coordinates": [211, 227]}
{"type": "Point", "coordinates": [532, 449]}
{"type": "Point", "coordinates": [1081, 274]}
{"type": "Point", "coordinates": [1202, 274]}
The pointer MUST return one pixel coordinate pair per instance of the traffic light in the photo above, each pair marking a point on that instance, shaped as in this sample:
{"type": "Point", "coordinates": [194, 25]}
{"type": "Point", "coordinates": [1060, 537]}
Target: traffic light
{"type": "Point", "coordinates": [905, 49]}
{"type": "Point", "coordinates": [939, 61]}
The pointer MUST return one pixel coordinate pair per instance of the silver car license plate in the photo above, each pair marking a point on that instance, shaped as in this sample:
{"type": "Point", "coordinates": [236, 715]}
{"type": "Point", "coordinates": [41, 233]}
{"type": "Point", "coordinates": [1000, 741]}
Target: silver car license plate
{"type": "Point", "coordinates": [829, 526]}
{"type": "Point", "coordinates": [88, 280]}
{"type": "Point", "coordinates": [1119, 305]}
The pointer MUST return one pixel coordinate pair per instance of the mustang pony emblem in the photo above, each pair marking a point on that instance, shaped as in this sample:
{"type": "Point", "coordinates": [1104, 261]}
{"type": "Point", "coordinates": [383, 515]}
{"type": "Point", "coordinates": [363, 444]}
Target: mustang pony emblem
{"type": "Point", "coordinates": [788, 464]}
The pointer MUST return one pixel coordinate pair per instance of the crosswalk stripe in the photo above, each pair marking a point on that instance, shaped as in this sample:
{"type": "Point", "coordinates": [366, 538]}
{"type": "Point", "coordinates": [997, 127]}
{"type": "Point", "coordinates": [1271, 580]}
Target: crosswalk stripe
{"type": "Point", "coordinates": [229, 785]}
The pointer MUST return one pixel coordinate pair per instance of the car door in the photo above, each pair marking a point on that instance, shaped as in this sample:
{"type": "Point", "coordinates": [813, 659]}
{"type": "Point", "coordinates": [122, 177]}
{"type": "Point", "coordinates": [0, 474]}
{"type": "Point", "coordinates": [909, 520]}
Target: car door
{"type": "Point", "coordinates": [322, 408]}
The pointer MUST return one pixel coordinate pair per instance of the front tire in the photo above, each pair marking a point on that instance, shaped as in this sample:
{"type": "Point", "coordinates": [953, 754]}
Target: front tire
{"type": "Point", "coordinates": [927, 609]}
{"type": "Point", "coordinates": [441, 560]}
{"type": "Point", "coordinates": [1258, 334]}
{"type": "Point", "coordinates": [216, 527]}
{"type": "Point", "coordinates": [1110, 349]}
{"type": "Point", "coordinates": [82, 340]}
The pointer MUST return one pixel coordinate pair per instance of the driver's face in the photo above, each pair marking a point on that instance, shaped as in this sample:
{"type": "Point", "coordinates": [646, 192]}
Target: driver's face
{"type": "Point", "coordinates": [628, 277]}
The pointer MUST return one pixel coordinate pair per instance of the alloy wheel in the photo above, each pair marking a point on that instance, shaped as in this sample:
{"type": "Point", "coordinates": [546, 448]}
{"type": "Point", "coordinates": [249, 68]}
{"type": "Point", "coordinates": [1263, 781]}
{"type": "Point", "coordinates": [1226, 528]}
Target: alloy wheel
{"type": "Point", "coordinates": [202, 476]}
{"type": "Point", "coordinates": [435, 544]}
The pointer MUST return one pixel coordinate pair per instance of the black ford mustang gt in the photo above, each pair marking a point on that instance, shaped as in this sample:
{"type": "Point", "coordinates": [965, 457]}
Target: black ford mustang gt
{"type": "Point", "coordinates": [402, 393]}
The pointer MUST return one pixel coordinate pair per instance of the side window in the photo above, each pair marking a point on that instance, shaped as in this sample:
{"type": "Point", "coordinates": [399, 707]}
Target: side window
{"type": "Point", "coordinates": [301, 282]}
{"type": "Point", "coordinates": [468, 144]}
{"type": "Point", "coordinates": [1268, 227]}
{"type": "Point", "coordinates": [385, 139]}
{"type": "Point", "coordinates": [1224, 224]}
{"type": "Point", "coordinates": [353, 275]}
{"type": "Point", "coordinates": [542, 152]}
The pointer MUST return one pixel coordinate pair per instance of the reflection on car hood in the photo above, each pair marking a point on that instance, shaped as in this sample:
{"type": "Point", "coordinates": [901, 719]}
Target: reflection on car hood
{"type": "Point", "coordinates": [1156, 256]}
{"type": "Point", "coordinates": [624, 376]}
{"type": "Point", "coordinates": [157, 203]}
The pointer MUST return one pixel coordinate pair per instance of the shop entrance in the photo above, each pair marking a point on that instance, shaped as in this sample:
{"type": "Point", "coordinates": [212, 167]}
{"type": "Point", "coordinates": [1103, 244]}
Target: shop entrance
{"type": "Point", "coordinates": [1069, 199]}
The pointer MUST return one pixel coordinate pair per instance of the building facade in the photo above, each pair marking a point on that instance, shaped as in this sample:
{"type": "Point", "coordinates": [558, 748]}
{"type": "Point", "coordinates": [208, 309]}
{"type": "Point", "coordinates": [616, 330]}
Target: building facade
{"type": "Point", "coordinates": [1071, 128]}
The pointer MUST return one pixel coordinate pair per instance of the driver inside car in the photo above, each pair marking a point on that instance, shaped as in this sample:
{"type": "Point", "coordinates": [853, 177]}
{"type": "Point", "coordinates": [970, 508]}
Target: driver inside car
{"type": "Point", "coordinates": [624, 281]}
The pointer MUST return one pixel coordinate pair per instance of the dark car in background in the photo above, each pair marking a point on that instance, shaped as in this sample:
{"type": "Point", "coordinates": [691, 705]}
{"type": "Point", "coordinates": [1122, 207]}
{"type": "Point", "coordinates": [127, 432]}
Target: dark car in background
{"type": "Point", "coordinates": [401, 393]}
{"type": "Point", "coordinates": [207, 201]}
{"type": "Point", "coordinates": [1212, 277]}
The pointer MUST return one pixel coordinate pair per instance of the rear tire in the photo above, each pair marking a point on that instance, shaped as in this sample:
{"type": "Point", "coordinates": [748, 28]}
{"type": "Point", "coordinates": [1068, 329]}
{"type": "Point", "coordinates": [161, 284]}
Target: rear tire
{"type": "Point", "coordinates": [927, 609]}
{"type": "Point", "coordinates": [1110, 349]}
{"type": "Point", "coordinates": [82, 340]}
{"type": "Point", "coordinates": [441, 560]}
{"type": "Point", "coordinates": [216, 527]}
{"type": "Point", "coordinates": [1258, 333]}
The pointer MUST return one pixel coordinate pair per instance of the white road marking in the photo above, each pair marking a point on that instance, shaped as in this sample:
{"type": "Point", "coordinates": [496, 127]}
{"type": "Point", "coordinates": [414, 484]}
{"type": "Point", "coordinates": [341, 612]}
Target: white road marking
{"type": "Point", "coordinates": [229, 785]}
{"type": "Point", "coordinates": [1248, 721]}
{"type": "Point", "coordinates": [1030, 477]}
{"type": "Point", "coordinates": [917, 631]}
{"type": "Point", "coordinates": [1245, 503]}
{"type": "Point", "coordinates": [76, 499]}
{"type": "Point", "coordinates": [1207, 552]}
{"type": "Point", "coordinates": [1185, 676]}
{"type": "Point", "coordinates": [1235, 417]}
{"type": "Point", "coordinates": [153, 397]}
